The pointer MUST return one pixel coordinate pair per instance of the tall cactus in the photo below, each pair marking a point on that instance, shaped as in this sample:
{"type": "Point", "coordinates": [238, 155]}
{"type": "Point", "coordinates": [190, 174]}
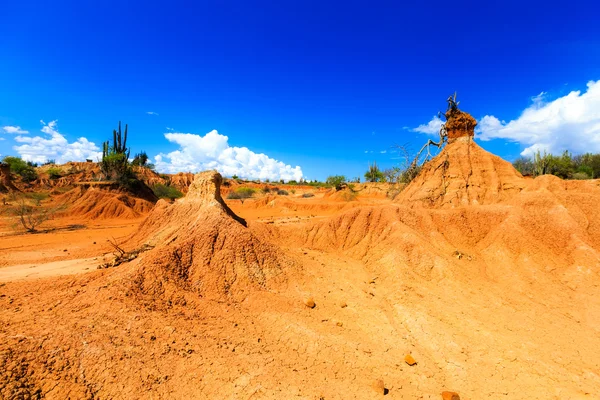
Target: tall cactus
{"type": "Point", "coordinates": [115, 158]}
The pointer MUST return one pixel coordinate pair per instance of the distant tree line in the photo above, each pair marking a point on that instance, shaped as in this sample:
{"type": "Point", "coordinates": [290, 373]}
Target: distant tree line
{"type": "Point", "coordinates": [565, 166]}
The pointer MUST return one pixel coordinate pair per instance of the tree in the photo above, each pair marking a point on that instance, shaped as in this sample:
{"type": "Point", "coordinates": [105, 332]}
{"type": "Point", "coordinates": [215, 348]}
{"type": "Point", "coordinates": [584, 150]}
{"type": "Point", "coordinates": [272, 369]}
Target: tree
{"type": "Point", "coordinates": [337, 181]}
{"type": "Point", "coordinates": [374, 174]}
{"type": "Point", "coordinates": [20, 167]}
{"type": "Point", "coordinates": [524, 165]}
{"type": "Point", "coordinates": [392, 175]}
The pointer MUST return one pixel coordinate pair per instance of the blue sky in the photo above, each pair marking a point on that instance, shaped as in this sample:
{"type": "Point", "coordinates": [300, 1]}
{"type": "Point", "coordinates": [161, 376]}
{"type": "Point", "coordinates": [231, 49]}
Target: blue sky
{"type": "Point", "coordinates": [327, 86]}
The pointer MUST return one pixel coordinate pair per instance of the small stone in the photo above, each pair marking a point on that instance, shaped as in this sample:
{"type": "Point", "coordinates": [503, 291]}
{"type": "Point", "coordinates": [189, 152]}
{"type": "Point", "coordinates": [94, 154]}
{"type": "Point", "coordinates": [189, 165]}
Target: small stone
{"type": "Point", "coordinates": [378, 386]}
{"type": "Point", "coordinates": [450, 396]}
{"type": "Point", "coordinates": [344, 305]}
{"type": "Point", "coordinates": [310, 303]}
{"type": "Point", "coordinates": [410, 360]}
{"type": "Point", "coordinates": [339, 323]}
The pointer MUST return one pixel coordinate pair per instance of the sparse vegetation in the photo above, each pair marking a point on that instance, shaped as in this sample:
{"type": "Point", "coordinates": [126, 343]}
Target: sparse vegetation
{"type": "Point", "coordinates": [141, 160]}
{"type": "Point", "coordinates": [26, 169]}
{"type": "Point", "coordinates": [115, 158]}
{"type": "Point", "coordinates": [374, 174]}
{"type": "Point", "coordinates": [337, 181]}
{"type": "Point", "coordinates": [54, 173]}
{"type": "Point", "coordinates": [241, 193]}
{"type": "Point", "coordinates": [166, 192]}
{"type": "Point", "coordinates": [565, 166]}
{"type": "Point", "coordinates": [282, 192]}
{"type": "Point", "coordinates": [31, 217]}
{"type": "Point", "coordinates": [307, 195]}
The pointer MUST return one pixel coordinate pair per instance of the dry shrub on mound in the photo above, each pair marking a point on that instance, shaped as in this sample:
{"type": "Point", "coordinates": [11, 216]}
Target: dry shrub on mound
{"type": "Point", "coordinates": [203, 248]}
{"type": "Point", "coordinates": [463, 174]}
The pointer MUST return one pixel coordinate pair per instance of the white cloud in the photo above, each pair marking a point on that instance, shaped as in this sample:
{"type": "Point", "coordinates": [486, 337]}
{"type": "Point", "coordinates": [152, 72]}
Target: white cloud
{"type": "Point", "coordinates": [212, 151]}
{"type": "Point", "coordinates": [1, 138]}
{"type": "Point", "coordinates": [383, 151]}
{"type": "Point", "coordinates": [170, 129]}
{"type": "Point", "coordinates": [571, 122]}
{"type": "Point", "coordinates": [55, 147]}
{"type": "Point", "coordinates": [431, 128]}
{"type": "Point", "coordinates": [14, 129]}
{"type": "Point", "coordinates": [151, 113]}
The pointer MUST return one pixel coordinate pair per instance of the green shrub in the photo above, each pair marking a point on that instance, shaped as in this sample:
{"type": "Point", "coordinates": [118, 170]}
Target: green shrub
{"type": "Point", "coordinates": [245, 192]}
{"type": "Point", "coordinates": [54, 173]}
{"type": "Point", "coordinates": [282, 192]}
{"type": "Point", "coordinates": [234, 196]}
{"type": "Point", "coordinates": [20, 167]}
{"type": "Point", "coordinates": [266, 189]}
{"type": "Point", "coordinates": [166, 192]}
{"type": "Point", "coordinates": [293, 191]}
{"type": "Point", "coordinates": [336, 181]}
{"type": "Point", "coordinates": [580, 176]}
{"type": "Point", "coordinates": [374, 174]}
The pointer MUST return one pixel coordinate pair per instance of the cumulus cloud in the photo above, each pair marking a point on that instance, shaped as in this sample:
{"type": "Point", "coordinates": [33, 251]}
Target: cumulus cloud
{"type": "Point", "coordinates": [212, 151]}
{"type": "Point", "coordinates": [571, 122]}
{"type": "Point", "coordinates": [431, 128]}
{"type": "Point", "coordinates": [14, 129]}
{"type": "Point", "coordinates": [151, 113]}
{"type": "Point", "coordinates": [54, 146]}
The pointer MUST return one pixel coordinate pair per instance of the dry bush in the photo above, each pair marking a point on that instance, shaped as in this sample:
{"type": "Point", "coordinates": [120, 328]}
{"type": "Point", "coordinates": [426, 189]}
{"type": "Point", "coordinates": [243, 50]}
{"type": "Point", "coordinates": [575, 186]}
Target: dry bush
{"type": "Point", "coordinates": [31, 217]}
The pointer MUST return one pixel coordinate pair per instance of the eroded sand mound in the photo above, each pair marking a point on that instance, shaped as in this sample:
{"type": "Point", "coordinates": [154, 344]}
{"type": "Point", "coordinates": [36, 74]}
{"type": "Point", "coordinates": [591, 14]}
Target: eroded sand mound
{"type": "Point", "coordinates": [463, 174]}
{"type": "Point", "coordinates": [107, 201]}
{"type": "Point", "coordinates": [6, 184]}
{"type": "Point", "coordinates": [203, 247]}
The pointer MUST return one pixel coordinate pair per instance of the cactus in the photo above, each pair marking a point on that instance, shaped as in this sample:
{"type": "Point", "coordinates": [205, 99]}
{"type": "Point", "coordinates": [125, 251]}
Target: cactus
{"type": "Point", "coordinates": [115, 157]}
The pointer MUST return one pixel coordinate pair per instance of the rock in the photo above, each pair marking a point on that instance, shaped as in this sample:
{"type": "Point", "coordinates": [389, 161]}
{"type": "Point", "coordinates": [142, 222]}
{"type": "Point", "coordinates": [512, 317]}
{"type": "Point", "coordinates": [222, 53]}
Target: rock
{"type": "Point", "coordinates": [343, 305]}
{"type": "Point", "coordinates": [378, 386]}
{"type": "Point", "coordinates": [410, 360]}
{"type": "Point", "coordinates": [450, 396]}
{"type": "Point", "coordinates": [310, 303]}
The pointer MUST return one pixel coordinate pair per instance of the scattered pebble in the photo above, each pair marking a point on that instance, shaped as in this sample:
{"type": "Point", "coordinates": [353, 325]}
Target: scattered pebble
{"type": "Point", "coordinates": [410, 360]}
{"type": "Point", "coordinates": [310, 303]}
{"type": "Point", "coordinates": [450, 396]}
{"type": "Point", "coordinates": [378, 386]}
{"type": "Point", "coordinates": [344, 305]}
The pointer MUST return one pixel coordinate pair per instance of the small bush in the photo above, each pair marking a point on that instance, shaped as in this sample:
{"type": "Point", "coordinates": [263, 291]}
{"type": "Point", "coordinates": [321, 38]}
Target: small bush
{"type": "Point", "coordinates": [293, 191]}
{"type": "Point", "coordinates": [337, 181]}
{"type": "Point", "coordinates": [266, 189]}
{"type": "Point", "coordinates": [307, 195]}
{"type": "Point", "coordinates": [245, 192]}
{"type": "Point", "coordinates": [166, 192]}
{"type": "Point", "coordinates": [580, 176]}
{"type": "Point", "coordinates": [36, 197]}
{"type": "Point", "coordinates": [54, 173]}
{"type": "Point", "coordinates": [234, 196]}
{"type": "Point", "coordinates": [282, 192]}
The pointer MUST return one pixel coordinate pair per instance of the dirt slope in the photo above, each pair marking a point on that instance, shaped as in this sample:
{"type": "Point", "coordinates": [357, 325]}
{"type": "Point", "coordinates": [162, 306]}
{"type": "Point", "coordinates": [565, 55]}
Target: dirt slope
{"type": "Point", "coordinates": [463, 174]}
{"type": "Point", "coordinates": [488, 280]}
{"type": "Point", "coordinates": [203, 247]}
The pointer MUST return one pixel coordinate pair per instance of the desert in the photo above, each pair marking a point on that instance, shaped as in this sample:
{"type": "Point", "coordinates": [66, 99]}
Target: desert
{"type": "Point", "coordinates": [471, 281]}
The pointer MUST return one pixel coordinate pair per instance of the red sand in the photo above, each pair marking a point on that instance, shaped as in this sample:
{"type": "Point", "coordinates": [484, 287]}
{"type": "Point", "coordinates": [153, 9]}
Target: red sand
{"type": "Point", "coordinates": [487, 279]}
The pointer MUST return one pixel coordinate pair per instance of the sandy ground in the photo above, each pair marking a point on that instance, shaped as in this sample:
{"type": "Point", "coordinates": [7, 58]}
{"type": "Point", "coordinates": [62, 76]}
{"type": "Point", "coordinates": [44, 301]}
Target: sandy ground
{"type": "Point", "coordinates": [485, 315]}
